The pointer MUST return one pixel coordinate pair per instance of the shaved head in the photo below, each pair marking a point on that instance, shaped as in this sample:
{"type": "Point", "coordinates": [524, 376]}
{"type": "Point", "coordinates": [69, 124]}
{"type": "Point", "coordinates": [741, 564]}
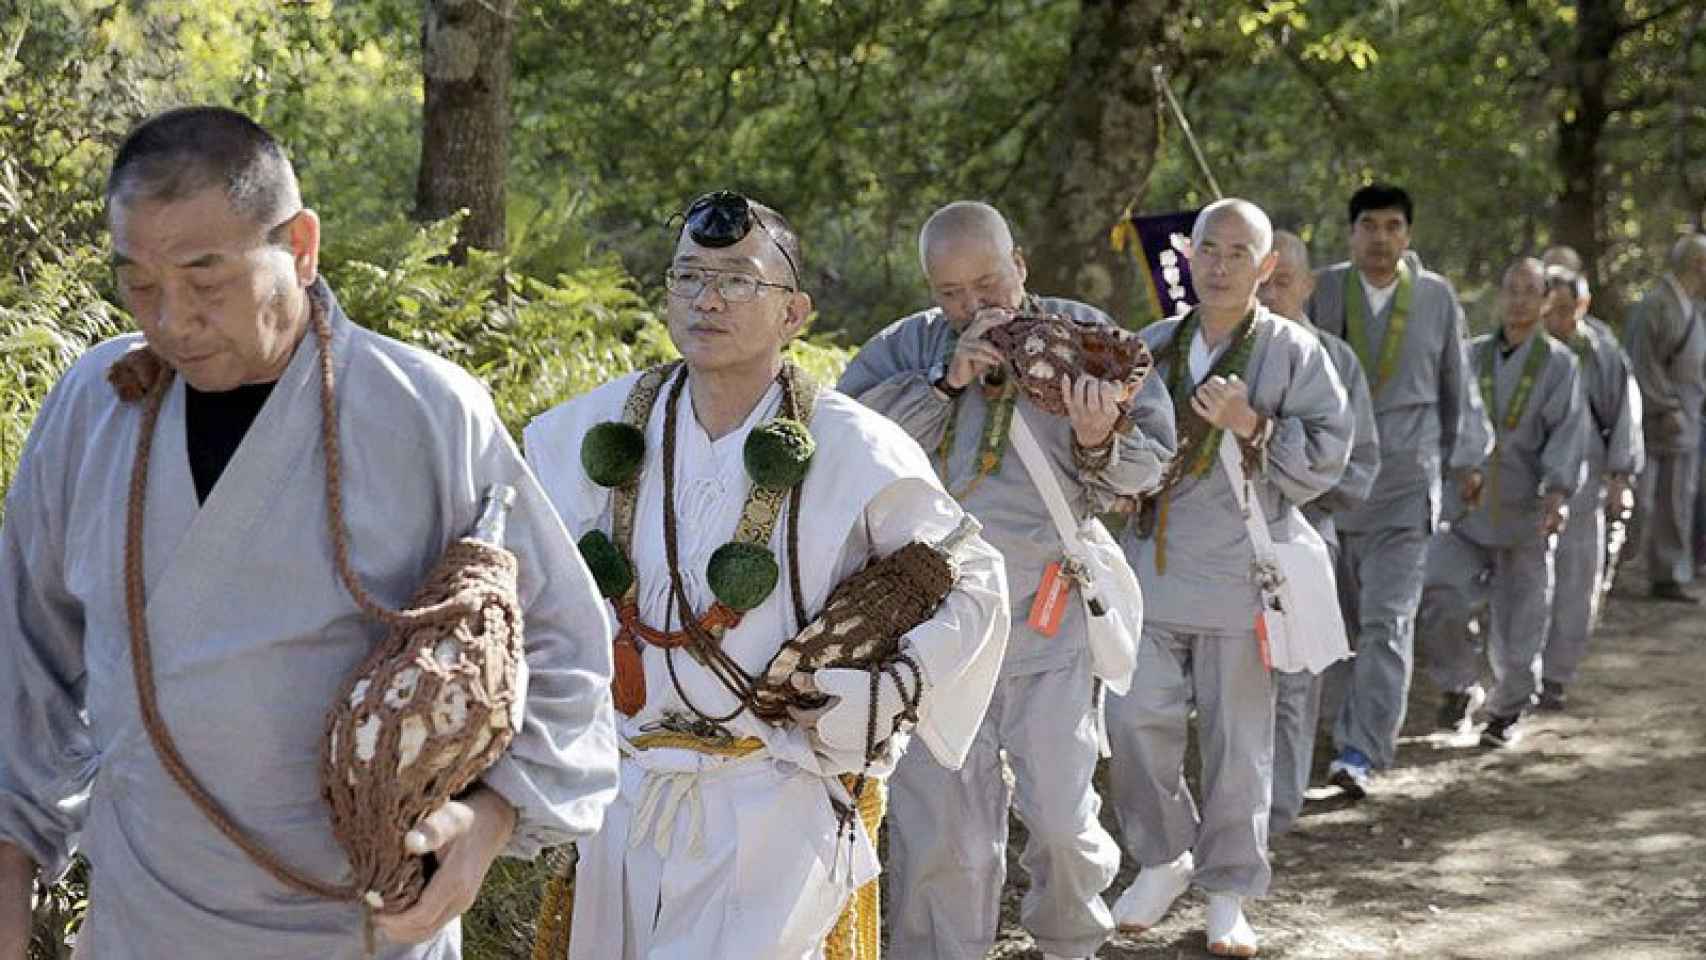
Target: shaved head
{"type": "Point", "coordinates": [1562, 256]}
{"type": "Point", "coordinates": [1291, 249]}
{"type": "Point", "coordinates": [1689, 249]}
{"type": "Point", "coordinates": [1261, 228]}
{"type": "Point", "coordinates": [1688, 263]}
{"type": "Point", "coordinates": [961, 222]}
{"type": "Point", "coordinates": [1528, 265]}
{"type": "Point", "coordinates": [970, 261]}
{"type": "Point", "coordinates": [1287, 289]}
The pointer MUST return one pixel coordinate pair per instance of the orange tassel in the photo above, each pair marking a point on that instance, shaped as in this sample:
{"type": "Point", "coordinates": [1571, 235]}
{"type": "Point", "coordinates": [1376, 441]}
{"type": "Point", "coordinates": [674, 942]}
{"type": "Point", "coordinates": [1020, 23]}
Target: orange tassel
{"type": "Point", "coordinates": [629, 686]}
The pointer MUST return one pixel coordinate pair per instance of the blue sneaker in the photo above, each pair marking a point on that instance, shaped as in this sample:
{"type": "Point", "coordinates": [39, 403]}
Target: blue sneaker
{"type": "Point", "coordinates": [1350, 771]}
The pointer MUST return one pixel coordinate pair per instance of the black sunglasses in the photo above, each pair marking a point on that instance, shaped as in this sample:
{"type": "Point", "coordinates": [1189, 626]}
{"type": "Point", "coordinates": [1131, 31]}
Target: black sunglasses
{"type": "Point", "coordinates": [724, 218]}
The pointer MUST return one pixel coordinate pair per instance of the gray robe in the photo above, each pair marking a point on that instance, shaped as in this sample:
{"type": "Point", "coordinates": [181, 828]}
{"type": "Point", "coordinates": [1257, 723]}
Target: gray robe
{"type": "Point", "coordinates": [892, 374]}
{"type": "Point", "coordinates": [1199, 643]}
{"type": "Point", "coordinates": [252, 633]}
{"type": "Point", "coordinates": [1495, 553]}
{"type": "Point", "coordinates": [1665, 335]}
{"type": "Point", "coordinates": [1430, 413]}
{"type": "Point", "coordinates": [1430, 418]}
{"type": "Point", "coordinates": [1545, 452]}
{"type": "Point", "coordinates": [947, 829]}
{"type": "Point", "coordinates": [1614, 446]}
{"type": "Point", "coordinates": [1297, 703]}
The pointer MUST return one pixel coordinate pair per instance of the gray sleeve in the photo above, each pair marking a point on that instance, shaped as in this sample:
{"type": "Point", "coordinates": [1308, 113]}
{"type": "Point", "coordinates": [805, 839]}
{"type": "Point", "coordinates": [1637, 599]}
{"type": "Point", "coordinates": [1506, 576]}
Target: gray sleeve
{"type": "Point", "coordinates": [883, 378]}
{"type": "Point", "coordinates": [1565, 420]}
{"type": "Point", "coordinates": [47, 758]}
{"type": "Point", "coordinates": [1141, 453]}
{"type": "Point", "coordinates": [1311, 441]}
{"type": "Point", "coordinates": [1653, 333]}
{"type": "Point", "coordinates": [1625, 452]}
{"type": "Point", "coordinates": [1466, 435]}
{"type": "Point", "coordinates": [560, 769]}
{"type": "Point", "coordinates": [1358, 479]}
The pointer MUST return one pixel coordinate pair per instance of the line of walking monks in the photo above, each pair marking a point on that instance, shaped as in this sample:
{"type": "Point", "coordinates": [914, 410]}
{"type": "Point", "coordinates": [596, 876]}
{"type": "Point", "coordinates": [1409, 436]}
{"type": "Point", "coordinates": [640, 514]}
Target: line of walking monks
{"type": "Point", "coordinates": [676, 527]}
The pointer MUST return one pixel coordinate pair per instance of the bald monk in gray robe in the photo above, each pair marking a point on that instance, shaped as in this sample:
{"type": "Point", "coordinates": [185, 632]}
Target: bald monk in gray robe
{"type": "Point", "coordinates": [1500, 550]}
{"type": "Point", "coordinates": [1665, 335]}
{"type": "Point", "coordinates": [1297, 705]}
{"type": "Point", "coordinates": [1614, 456]}
{"type": "Point", "coordinates": [1231, 365]}
{"type": "Point", "coordinates": [1431, 423]}
{"type": "Point", "coordinates": [930, 373]}
{"type": "Point", "coordinates": [251, 630]}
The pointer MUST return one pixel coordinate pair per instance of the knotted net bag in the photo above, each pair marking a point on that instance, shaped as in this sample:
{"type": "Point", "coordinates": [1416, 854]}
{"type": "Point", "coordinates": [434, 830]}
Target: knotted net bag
{"type": "Point", "coordinates": [1041, 347]}
{"type": "Point", "coordinates": [423, 716]}
{"type": "Point", "coordinates": [862, 622]}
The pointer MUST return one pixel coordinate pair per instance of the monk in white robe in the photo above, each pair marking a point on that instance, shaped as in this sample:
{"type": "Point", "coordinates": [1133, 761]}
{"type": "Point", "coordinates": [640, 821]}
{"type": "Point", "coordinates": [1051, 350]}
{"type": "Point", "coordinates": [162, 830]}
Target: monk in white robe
{"type": "Point", "coordinates": [727, 839]}
{"type": "Point", "coordinates": [251, 630]}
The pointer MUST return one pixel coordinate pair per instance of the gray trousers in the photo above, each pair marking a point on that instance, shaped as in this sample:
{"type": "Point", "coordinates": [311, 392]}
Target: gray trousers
{"type": "Point", "coordinates": [1297, 710]}
{"type": "Point", "coordinates": [1579, 563]}
{"type": "Point", "coordinates": [947, 829]}
{"type": "Point", "coordinates": [1517, 582]}
{"type": "Point", "coordinates": [1380, 584]}
{"type": "Point", "coordinates": [1222, 676]}
{"type": "Point", "coordinates": [1667, 514]}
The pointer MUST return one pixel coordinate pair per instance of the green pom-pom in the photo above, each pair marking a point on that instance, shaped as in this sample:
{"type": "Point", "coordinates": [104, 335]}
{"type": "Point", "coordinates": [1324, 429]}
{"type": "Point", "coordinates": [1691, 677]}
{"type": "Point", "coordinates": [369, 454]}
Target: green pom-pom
{"type": "Point", "coordinates": [741, 575]}
{"type": "Point", "coordinates": [613, 452]}
{"type": "Point", "coordinates": [777, 453]}
{"type": "Point", "coordinates": [610, 570]}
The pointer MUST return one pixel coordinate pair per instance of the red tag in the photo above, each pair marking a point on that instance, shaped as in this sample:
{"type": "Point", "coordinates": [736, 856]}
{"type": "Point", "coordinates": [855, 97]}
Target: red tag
{"type": "Point", "coordinates": [1262, 641]}
{"type": "Point", "coordinates": [1049, 608]}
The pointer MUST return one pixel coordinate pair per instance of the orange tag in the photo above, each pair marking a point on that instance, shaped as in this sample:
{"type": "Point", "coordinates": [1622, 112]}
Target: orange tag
{"type": "Point", "coordinates": [1262, 641]}
{"type": "Point", "coordinates": [1049, 608]}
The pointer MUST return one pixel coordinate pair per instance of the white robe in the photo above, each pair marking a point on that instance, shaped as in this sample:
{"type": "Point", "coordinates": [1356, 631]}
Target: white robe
{"type": "Point", "coordinates": [740, 857]}
{"type": "Point", "coordinates": [252, 633]}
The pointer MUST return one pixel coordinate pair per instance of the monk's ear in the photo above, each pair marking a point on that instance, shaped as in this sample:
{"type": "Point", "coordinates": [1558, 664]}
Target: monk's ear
{"type": "Point", "coordinates": [304, 241]}
{"type": "Point", "coordinates": [1265, 269]}
{"type": "Point", "coordinates": [799, 311]}
{"type": "Point", "coordinates": [1019, 263]}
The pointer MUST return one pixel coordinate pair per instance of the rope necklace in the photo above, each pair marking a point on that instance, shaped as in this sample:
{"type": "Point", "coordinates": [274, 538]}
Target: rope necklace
{"type": "Point", "coordinates": [704, 646]}
{"type": "Point", "coordinates": [1198, 439]}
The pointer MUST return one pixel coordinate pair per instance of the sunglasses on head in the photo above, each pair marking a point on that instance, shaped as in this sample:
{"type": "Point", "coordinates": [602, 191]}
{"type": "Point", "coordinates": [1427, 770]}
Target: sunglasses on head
{"type": "Point", "coordinates": [724, 218]}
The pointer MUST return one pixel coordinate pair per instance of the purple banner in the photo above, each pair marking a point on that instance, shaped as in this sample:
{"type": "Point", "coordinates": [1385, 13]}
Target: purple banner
{"type": "Point", "coordinates": [1163, 240]}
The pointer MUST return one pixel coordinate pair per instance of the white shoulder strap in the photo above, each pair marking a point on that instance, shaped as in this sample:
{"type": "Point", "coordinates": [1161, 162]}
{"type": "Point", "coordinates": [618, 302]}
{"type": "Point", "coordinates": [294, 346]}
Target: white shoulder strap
{"type": "Point", "coordinates": [1042, 474]}
{"type": "Point", "coordinates": [1255, 521]}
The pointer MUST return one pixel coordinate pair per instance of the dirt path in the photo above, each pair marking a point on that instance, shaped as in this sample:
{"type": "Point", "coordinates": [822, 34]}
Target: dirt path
{"type": "Point", "coordinates": [1587, 840]}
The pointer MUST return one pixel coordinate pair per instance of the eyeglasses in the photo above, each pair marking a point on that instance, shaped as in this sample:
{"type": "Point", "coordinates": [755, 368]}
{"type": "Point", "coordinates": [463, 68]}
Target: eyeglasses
{"type": "Point", "coordinates": [689, 282]}
{"type": "Point", "coordinates": [724, 218]}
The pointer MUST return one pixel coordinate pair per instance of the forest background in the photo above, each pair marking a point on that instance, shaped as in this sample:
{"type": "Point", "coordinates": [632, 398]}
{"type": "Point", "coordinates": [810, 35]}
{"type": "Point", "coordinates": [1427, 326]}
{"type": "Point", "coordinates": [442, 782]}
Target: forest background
{"type": "Point", "coordinates": [497, 177]}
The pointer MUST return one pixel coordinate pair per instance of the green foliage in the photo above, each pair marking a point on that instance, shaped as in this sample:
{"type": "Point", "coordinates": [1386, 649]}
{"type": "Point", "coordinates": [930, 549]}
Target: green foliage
{"type": "Point", "coordinates": [534, 342]}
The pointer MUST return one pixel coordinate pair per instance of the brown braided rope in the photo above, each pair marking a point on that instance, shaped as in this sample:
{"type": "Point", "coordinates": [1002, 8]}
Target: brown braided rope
{"type": "Point", "coordinates": [457, 646]}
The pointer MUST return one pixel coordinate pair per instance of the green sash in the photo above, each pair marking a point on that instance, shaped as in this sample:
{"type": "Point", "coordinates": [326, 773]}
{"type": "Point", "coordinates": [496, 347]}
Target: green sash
{"type": "Point", "coordinates": [1525, 386]}
{"type": "Point", "coordinates": [1357, 316]}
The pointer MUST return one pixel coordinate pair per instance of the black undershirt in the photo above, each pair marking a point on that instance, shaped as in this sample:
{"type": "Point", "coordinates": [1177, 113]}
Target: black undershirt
{"type": "Point", "coordinates": [214, 425]}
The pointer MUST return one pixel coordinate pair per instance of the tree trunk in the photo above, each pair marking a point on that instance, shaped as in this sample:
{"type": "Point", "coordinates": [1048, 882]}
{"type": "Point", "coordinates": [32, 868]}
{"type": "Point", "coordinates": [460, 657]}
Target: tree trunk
{"type": "Point", "coordinates": [465, 60]}
{"type": "Point", "coordinates": [1099, 150]}
{"type": "Point", "coordinates": [1581, 125]}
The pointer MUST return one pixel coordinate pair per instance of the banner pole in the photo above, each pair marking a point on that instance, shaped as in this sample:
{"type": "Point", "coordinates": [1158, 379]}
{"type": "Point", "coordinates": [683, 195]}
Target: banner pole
{"type": "Point", "coordinates": [1159, 74]}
